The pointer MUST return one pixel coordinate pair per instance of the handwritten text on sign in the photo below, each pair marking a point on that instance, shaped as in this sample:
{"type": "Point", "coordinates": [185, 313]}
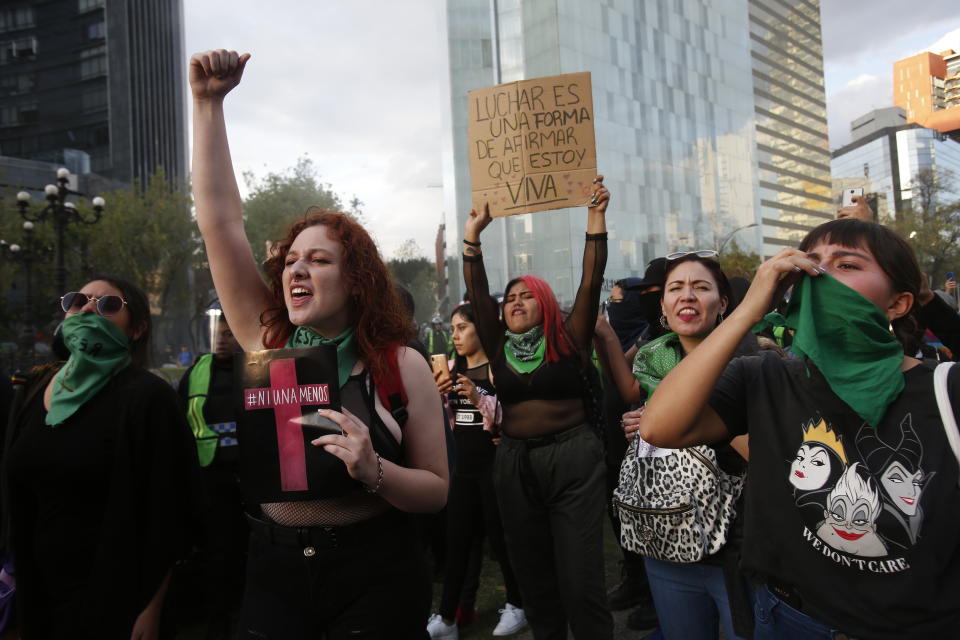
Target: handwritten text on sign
{"type": "Point", "coordinates": [532, 145]}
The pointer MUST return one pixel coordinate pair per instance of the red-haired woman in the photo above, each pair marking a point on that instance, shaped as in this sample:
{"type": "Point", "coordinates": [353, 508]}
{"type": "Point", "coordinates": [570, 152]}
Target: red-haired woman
{"type": "Point", "coordinates": [348, 565]}
{"type": "Point", "coordinates": [549, 472]}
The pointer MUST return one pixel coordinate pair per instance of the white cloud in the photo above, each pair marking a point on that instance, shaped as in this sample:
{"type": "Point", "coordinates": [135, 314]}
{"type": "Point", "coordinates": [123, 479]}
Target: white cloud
{"type": "Point", "coordinates": [950, 40]}
{"type": "Point", "coordinates": [862, 94]}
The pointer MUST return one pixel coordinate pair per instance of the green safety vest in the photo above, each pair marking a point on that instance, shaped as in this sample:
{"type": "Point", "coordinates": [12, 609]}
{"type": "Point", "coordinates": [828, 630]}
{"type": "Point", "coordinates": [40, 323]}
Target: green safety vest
{"type": "Point", "coordinates": [199, 386]}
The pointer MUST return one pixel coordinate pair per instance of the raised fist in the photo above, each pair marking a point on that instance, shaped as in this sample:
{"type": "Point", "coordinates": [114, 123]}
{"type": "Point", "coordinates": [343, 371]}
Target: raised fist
{"type": "Point", "coordinates": [214, 73]}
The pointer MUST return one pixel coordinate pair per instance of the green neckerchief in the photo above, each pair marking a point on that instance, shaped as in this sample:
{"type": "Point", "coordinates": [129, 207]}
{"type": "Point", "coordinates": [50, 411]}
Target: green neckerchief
{"type": "Point", "coordinates": [655, 360]}
{"type": "Point", "coordinates": [847, 337]}
{"type": "Point", "coordinates": [525, 351]}
{"type": "Point", "coordinates": [347, 355]}
{"type": "Point", "coordinates": [98, 350]}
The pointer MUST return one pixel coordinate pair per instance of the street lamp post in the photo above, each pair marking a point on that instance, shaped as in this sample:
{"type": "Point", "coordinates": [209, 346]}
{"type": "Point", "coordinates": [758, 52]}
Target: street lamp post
{"type": "Point", "coordinates": [61, 213]}
{"type": "Point", "coordinates": [734, 232]}
{"type": "Point", "coordinates": [27, 253]}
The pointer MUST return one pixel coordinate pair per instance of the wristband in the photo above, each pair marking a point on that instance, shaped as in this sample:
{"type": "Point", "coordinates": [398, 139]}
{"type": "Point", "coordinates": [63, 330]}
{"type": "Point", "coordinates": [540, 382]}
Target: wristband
{"type": "Point", "coordinates": [379, 476]}
{"type": "Point", "coordinates": [470, 244]}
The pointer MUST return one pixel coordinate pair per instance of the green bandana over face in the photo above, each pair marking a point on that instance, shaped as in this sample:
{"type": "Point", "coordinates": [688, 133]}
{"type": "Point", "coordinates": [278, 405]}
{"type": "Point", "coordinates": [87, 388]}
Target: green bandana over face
{"type": "Point", "coordinates": [98, 350]}
{"type": "Point", "coordinates": [846, 336]}
{"type": "Point", "coordinates": [346, 348]}
{"type": "Point", "coordinates": [655, 360]}
{"type": "Point", "coordinates": [525, 351]}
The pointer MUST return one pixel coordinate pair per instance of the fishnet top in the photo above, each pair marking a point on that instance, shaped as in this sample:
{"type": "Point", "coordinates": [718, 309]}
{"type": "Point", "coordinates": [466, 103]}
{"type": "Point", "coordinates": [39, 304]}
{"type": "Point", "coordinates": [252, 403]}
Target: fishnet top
{"type": "Point", "coordinates": [341, 510]}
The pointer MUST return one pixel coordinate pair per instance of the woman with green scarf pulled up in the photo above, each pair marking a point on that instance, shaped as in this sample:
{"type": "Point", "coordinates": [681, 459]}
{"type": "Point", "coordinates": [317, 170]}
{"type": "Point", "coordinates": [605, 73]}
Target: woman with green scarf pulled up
{"type": "Point", "coordinates": [691, 596]}
{"type": "Point", "coordinates": [850, 520]}
{"type": "Point", "coordinates": [548, 472]}
{"type": "Point", "coordinates": [98, 481]}
{"type": "Point", "coordinates": [348, 563]}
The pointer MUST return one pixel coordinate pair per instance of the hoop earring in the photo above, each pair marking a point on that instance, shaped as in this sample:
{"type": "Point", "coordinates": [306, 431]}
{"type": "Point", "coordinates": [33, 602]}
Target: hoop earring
{"type": "Point", "coordinates": [719, 318]}
{"type": "Point", "coordinates": [663, 322]}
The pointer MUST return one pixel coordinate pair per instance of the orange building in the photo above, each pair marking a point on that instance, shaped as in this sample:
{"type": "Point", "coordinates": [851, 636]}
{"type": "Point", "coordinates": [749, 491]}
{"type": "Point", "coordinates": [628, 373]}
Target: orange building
{"type": "Point", "coordinates": [927, 87]}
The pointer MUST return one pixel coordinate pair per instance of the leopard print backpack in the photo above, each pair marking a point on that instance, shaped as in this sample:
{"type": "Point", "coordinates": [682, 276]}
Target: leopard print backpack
{"type": "Point", "coordinates": [675, 505]}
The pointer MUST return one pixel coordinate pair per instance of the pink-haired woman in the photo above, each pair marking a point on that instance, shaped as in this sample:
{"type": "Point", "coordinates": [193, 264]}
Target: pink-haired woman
{"type": "Point", "coordinates": [549, 471]}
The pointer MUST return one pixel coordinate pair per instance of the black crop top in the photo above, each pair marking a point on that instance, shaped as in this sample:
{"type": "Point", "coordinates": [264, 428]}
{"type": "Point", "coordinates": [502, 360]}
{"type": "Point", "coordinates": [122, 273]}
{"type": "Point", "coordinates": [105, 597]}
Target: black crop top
{"type": "Point", "coordinates": [549, 399]}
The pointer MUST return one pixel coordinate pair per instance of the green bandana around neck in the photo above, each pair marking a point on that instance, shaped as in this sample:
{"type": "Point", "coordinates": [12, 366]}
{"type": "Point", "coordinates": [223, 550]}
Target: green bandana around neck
{"type": "Point", "coordinates": [525, 351]}
{"type": "Point", "coordinates": [346, 344]}
{"type": "Point", "coordinates": [656, 359]}
{"type": "Point", "coordinates": [847, 337]}
{"type": "Point", "coordinates": [98, 350]}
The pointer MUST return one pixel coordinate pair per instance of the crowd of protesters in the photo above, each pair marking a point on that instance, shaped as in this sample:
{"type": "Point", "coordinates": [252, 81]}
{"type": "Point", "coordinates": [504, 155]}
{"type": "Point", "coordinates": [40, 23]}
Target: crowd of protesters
{"type": "Point", "coordinates": [777, 458]}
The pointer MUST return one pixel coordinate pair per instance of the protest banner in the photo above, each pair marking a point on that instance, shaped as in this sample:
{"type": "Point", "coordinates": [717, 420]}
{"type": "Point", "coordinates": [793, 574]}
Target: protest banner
{"type": "Point", "coordinates": [532, 145]}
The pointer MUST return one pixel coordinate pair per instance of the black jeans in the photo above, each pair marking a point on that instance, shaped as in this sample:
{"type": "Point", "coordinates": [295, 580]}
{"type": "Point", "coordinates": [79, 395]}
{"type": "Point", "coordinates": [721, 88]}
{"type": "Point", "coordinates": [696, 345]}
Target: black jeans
{"type": "Point", "coordinates": [367, 580]}
{"type": "Point", "coordinates": [472, 510]}
{"type": "Point", "coordinates": [552, 494]}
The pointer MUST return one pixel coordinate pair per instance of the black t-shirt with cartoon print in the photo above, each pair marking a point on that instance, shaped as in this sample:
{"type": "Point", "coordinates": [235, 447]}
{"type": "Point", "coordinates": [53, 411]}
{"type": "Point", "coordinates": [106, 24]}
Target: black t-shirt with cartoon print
{"type": "Point", "coordinates": [864, 523]}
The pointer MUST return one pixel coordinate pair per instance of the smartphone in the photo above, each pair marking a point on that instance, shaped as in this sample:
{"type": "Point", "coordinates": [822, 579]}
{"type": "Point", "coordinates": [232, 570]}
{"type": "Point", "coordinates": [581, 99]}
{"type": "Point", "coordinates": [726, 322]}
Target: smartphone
{"type": "Point", "coordinates": [439, 364]}
{"type": "Point", "coordinates": [314, 425]}
{"type": "Point", "coordinates": [848, 196]}
{"type": "Point", "coordinates": [949, 275]}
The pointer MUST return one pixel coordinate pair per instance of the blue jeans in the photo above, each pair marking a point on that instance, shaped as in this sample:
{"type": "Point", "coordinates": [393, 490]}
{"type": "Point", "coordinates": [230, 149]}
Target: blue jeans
{"type": "Point", "coordinates": [691, 600]}
{"type": "Point", "coordinates": [776, 620]}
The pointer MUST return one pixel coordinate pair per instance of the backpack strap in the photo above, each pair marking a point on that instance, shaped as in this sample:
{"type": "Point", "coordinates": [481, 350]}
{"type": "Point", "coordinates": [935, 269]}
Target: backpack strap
{"type": "Point", "coordinates": [946, 410]}
{"type": "Point", "coordinates": [390, 388]}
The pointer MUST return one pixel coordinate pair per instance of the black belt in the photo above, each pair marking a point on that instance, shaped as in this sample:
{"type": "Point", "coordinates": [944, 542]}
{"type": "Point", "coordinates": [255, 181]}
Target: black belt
{"type": "Point", "coordinates": [329, 537]}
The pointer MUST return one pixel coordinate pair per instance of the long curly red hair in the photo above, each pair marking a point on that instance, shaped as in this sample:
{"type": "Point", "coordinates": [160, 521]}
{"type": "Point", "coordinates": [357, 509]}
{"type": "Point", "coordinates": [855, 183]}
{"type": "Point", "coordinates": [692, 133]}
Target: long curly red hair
{"type": "Point", "coordinates": [375, 309]}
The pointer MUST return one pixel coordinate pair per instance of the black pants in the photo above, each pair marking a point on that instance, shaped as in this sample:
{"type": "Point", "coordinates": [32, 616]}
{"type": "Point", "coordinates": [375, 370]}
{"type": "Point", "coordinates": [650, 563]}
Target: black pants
{"type": "Point", "coordinates": [366, 580]}
{"type": "Point", "coordinates": [551, 492]}
{"type": "Point", "coordinates": [472, 510]}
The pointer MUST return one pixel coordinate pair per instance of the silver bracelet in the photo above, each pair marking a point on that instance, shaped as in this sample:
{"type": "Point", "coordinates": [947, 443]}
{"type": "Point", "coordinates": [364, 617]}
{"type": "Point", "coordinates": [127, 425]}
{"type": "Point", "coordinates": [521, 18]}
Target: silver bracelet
{"type": "Point", "coordinates": [379, 475]}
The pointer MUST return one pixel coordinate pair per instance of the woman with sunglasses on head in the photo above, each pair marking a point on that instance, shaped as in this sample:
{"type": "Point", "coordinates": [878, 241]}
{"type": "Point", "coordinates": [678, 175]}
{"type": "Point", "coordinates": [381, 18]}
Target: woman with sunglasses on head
{"type": "Point", "coordinates": [850, 522]}
{"type": "Point", "coordinates": [691, 598]}
{"type": "Point", "coordinates": [97, 478]}
{"type": "Point", "coordinates": [472, 510]}
{"type": "Point", "coordinates": [326, 285]}
{"type": "Point", "coordinates": [549, 471]}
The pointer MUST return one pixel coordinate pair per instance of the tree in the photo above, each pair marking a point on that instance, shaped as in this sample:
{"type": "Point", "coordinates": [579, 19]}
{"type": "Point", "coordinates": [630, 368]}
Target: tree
{"type": "Point", "coordinates": [736, 262]}
{"type": "Point", "coordinates": [276, 199]}
{"type": "Point", "coordinates": [418, 275]}
{"type": "Point", "coordinates": [930, 222]}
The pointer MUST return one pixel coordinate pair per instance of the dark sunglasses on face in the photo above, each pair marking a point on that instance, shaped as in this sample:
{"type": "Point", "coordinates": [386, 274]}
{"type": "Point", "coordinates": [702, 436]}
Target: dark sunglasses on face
{"type": "Point", "coordinates": [106, 305]}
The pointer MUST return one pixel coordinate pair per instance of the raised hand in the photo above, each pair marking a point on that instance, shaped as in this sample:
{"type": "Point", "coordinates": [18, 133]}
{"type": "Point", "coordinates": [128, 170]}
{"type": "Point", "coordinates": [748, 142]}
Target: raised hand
{"type": "Point", "coordinates": [772, 279]}
{"type": "Point", "coordinates": [214, 73]}
{"type": "Point", "coordinates": [476, 223]}
{"type": "Point", "coordinates": [601, 197]}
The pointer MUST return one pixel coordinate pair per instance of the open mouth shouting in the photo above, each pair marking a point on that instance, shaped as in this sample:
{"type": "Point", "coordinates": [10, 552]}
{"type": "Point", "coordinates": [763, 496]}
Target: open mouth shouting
{"type": "Point", "coordinates": [300, 295]}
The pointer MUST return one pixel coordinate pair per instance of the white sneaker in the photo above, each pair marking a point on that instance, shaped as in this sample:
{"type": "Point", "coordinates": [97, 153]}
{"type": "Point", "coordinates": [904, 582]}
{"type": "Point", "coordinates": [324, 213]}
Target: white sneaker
{"type": "Point", "coordinates": [440, 630]}
{"type": "Point", "coordinates": [512, 620]}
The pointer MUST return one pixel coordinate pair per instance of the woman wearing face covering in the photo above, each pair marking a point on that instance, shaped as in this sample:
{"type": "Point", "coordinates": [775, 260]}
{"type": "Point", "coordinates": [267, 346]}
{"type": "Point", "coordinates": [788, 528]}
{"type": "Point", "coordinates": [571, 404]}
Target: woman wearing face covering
{"type": "Point", "coordinates": [97, 500]}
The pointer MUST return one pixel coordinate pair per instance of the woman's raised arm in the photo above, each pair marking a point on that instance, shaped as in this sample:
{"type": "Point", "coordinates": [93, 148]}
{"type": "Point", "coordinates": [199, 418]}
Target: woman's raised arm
{"type": "Point", "coordinates": [242, 292]}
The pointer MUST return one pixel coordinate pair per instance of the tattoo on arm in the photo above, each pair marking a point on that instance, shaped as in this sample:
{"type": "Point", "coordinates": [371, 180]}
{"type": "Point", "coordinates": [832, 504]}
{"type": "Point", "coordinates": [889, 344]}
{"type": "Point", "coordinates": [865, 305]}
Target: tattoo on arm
{"type": "Point", "coordinates": [471, 251]}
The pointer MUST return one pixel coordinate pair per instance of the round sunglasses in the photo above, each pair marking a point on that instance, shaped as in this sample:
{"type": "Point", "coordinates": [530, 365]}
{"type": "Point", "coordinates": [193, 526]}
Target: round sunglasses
{"type": "Point", "coordinates": [703, 253]}
{"type": "Point", "coordinates": [106, 305]}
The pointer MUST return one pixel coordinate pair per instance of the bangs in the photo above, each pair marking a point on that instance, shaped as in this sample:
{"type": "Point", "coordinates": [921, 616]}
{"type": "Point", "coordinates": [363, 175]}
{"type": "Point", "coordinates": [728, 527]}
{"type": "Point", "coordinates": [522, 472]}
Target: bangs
{"type": "Point", "coordinates": [846, 232]}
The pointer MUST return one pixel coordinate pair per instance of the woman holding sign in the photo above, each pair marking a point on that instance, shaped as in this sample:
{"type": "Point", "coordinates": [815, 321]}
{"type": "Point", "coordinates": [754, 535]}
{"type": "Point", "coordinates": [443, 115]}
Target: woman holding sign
{"type": "Point", "coordinates": [549, 472]}
{"type": "Point", "coordinates": [348, 565]}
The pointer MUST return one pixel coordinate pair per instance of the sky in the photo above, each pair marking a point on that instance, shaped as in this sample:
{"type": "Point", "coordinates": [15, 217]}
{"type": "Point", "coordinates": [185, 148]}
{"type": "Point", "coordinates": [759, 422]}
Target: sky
{"type": "Point", "coordinates": [355, 85]}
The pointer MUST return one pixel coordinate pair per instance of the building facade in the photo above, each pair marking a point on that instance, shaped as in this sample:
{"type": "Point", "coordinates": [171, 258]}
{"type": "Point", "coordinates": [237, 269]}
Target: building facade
{"type": "Point", "coordinates": [927, 87]}
{"type": "Point", "coordinates": [710, 124]}
{"type": "Point", "coordinates": [885, 162]}
{"type": "Point", "coordinates": [94, 86]}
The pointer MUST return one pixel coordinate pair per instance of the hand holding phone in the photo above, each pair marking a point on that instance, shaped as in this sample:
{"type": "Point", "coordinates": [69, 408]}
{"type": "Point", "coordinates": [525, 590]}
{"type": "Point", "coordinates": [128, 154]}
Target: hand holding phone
{"type": "Point", "coordinates": [848, 195]}
{"type": "Point", "coordinates": [441, 372]}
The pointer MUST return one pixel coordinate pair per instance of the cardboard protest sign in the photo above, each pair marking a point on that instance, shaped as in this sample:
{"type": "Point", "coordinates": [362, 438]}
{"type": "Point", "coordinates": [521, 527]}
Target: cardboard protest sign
{"type": "Point", "coordinates": [532, 145]}
{"type": "Point", "coordinates": [282, 390]}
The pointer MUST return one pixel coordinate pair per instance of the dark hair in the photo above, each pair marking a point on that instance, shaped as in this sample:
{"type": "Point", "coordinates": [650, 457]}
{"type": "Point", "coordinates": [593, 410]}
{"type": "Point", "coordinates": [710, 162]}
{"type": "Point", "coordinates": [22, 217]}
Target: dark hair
{"type": "Point", "coordinates": [465, 310]}
{"type": "Point", "coordinates": [375, 309]}
{"type": "Point", "coordinates": [406, 299]}
{"type": "Point", "coordinates": [892, 253]}
{"type": "Point", "coordinates": [719, 277]}
{"type": "Point", "coordinates": [138, 307]}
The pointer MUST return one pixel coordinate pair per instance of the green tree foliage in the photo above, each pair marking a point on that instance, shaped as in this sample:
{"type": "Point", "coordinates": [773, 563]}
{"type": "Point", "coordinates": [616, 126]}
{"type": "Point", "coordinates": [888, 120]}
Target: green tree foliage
{"type": "Point", "coordinates": [930, 222]}
{"type": "Point", "coordinates": [413, 270]}
{"type": "Point", "coordinates": [277, 199]}
{"type": "Point", "coordinates": [736, 262]}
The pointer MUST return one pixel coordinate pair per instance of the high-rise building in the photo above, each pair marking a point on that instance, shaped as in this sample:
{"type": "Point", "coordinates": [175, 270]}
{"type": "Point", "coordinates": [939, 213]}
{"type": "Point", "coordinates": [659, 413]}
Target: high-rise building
{"type": "Point", "coordinates": [885, 160]}
{"type": "Point", "coordinates": [927, 87]}
{"type": "Point", "coordinates": [94, 86]}
{"type": "Point", "coordinates": [710, 124]}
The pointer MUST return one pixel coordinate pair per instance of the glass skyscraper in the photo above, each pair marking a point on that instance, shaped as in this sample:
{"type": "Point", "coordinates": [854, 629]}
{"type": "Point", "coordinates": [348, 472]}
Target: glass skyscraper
{"type": "Point", "coordinates": [710, 123]}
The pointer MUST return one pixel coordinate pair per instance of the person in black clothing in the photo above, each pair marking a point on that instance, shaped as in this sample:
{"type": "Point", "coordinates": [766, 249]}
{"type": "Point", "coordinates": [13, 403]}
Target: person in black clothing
{"type": "Point", "coordinates": [208, 395]}
{"type": "Point", "coordinates": [97, 482]}
{"type": "Point", "coordinates": [472, 509]}
{"type": "Point", "coordinates": [549, 471]}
